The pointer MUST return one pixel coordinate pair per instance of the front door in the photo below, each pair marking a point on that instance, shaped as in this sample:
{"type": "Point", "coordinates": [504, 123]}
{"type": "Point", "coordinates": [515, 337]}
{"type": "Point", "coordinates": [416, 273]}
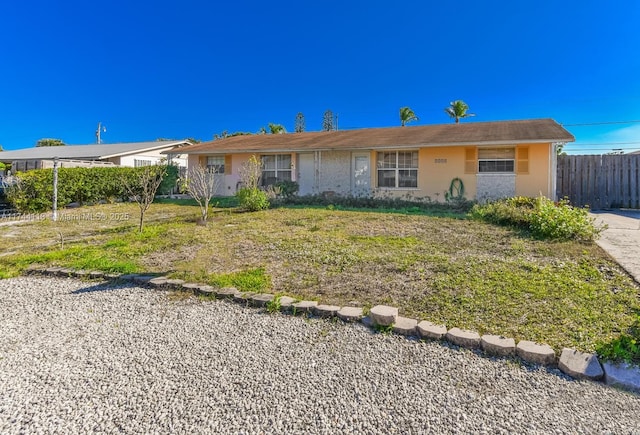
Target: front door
{"type": "Point", "coordinates": [361, 174]}
{"type": "Point", "coordinates": [306, 174]}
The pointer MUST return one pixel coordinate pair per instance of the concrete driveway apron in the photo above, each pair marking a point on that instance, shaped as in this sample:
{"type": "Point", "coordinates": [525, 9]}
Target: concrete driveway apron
{"type": "Point", "coordinates": [622, 238]}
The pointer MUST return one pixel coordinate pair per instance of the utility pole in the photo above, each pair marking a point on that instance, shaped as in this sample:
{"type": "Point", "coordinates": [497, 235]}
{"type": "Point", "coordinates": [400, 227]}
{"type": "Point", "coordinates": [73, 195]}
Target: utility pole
{"type": "Point", "coordinates": [98, 131]}
{"type": "Point", "coordinates": [54, 215]}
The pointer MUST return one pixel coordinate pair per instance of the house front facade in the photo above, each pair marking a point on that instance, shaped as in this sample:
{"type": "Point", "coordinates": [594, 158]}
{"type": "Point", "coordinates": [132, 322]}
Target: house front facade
{"type": "Point", "coordinates": [480, 161]}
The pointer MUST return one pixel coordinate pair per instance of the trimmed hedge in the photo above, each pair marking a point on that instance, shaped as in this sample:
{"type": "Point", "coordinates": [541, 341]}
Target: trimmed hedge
{"type": "Point", "coordinates": [34, 191]}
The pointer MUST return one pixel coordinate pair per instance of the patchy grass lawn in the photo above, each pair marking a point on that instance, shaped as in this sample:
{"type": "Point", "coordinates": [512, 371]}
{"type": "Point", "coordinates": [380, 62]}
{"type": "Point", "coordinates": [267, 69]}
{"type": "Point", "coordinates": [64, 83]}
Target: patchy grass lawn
{"type": "Point", "coordinates": [455, 271]}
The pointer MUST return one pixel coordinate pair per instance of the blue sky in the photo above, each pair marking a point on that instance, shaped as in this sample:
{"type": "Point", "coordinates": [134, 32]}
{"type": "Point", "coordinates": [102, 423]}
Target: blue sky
{"type": "Point", "coordinates": [191, 68]}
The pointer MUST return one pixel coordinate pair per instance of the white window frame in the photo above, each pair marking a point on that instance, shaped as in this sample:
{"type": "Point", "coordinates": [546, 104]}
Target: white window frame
{"type": "Point", "coordinates": [215, 163]}
{"type": "Point", "coordinates": [497, 160]}
{"type": "Point", "coordinates": [396, 168]}
{"type": "Point", "coordinates": [139, 163]}
{"type": "Point", "coordinates": [282, 170]}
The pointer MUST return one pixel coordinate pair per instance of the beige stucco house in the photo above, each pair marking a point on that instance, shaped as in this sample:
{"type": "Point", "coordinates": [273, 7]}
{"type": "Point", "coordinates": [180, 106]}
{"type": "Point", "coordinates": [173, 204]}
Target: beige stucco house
{"type": "Point", "coordinates": [490, 159]}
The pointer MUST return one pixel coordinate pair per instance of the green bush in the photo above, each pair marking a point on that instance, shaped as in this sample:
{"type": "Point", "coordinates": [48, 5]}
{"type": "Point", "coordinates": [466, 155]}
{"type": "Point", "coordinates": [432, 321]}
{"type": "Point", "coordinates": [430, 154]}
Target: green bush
{"type": "Point", "coordinates": [34, 191]}
{"type": "Point", "coordinates": [514, 211]}
{"type": "Point", "coordinates": [624, 348]}
{"type": "Point", "coordinates": [252, 199]}
{"type": "Point", "coordinates": [287, 188]}
{"type": "Point", "coordinates": [541, 217]}
{"type": "Point", "coordinates": [562, 221]}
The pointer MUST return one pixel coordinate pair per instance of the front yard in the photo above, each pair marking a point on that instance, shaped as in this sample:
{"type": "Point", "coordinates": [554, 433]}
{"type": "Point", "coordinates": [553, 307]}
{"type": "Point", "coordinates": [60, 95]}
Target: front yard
{"type": "Point", "coordinates": [454, 271]}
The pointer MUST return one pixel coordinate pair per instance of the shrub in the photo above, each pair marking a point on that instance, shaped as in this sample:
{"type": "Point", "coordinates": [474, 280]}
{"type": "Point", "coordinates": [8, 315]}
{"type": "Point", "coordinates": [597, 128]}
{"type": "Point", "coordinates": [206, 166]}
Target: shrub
{"type": "Point", "coordinates": [624, 348]}
{"type": "Point", "coordinates": [252, 199]}
{"type": "Point", "coordinates": [562, 221]}
{"type": "Point", "coordinates": [34, 191]}
{"type": "Point", "coordinates": [541, 216]}
{"type": "Point", "coordinates": [287, 188]}
{"type": "Point", "coordinates": [514, 211]}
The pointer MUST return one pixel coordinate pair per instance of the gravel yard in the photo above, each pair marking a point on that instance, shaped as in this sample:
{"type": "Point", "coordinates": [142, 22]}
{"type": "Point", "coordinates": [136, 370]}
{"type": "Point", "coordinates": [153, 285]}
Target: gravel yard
{"type": "Point", "coordinates": [79, 357]}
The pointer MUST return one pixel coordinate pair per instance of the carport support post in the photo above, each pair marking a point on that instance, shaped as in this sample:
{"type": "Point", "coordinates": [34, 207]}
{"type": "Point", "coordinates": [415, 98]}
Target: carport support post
{"type": "Point", "coordinates": [54, 216]}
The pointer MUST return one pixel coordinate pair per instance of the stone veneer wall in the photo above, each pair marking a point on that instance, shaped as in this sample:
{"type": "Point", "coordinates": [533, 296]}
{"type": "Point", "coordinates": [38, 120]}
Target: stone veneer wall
{"type": "Point", "coordinates": [335, 172]}
{"type": "Point", "coordinates": [495, 186]}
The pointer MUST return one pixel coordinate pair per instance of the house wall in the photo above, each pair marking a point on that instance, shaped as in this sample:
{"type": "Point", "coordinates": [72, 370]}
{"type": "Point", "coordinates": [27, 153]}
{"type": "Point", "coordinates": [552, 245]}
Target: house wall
{"type": "Point", "coordinates": [335, 172]}
{"type": "Point", "coordinates": [153, 156]}
{"type": "Point", "coordinates": [437, 168]}
{"type": "Point", "coordinates": [539, 178]}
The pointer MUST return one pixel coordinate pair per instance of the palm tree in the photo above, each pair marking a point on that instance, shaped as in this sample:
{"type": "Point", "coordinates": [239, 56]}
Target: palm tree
{"type": "Point", "coordinates": [276, 128]}
{"type": "Point", "coordinates": [458, 109]}
{"type": "Point", "coordinates": [407, 115]}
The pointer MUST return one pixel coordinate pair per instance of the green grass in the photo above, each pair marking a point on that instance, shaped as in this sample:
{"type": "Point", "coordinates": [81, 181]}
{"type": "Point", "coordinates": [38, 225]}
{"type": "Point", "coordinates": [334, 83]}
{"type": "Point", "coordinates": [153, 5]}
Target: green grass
{"type": "Point", "coordinates": [450, 270]}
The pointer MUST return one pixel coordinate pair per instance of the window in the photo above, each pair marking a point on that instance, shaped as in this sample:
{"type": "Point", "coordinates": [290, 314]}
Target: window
{"type": "Point", "coordinates": [276, 168]}
{"type": "Point", "coordinates": [215, 163]}
{"type": "Point", "coordinates": [137, 163]}
{"type": "Point", "coordinates": [398, 169]}
{"type": "Point", "coordinates": [496, 160]}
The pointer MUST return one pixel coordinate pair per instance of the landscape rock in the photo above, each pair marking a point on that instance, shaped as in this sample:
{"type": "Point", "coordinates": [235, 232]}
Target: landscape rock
{"type": "Point", "coordinates": [303, 306]}
{"type": "Point", "coordinates": [326, 310]}
{"type": "Point", "coordinates": [226, 292]}
{"type": "Point", "coordinates": [383, 315]}
{"type": "Point", "coordinates": [143, 279]}
{"type": "Point", "coordinates": [53, 271]}
{"type": "Point", "coordinates": [262, 299]}
{"type": "Point", "coordinates": [96, 274]}
{"type": "Point", "coordinates": [128, 276]}
{"type": "Point", "coordinates": [174, 283]}
{"type": "Point", "coordinates": [536, 353]}
{"type": "Point", "coordinates": [80, 273]}
{"type": "Point", "coordinates": [622, 375]}
{"type": "Point", "coordinates": [286, 302]}
{"type": "Point", "coordinates": [350, 314]}
{"type": "Point", "coordinates": [405, 326]}
{"type": "Point", "coordinates": [243, 297]}
{"type": "Point", "coordinates": [497, 345]}
{"type": "Point", "coordinates": [205, 290]}
{"type": "Point", "coordinates": [191, 287]}
{"type": "Point", "coordinates": [464, 338]}
{"type": "Point", "coordinates": [159, 281]}
{"type": "Point", "coordinates": [580, 365]}
{"type": "Point", "coordinates": [430, 330]}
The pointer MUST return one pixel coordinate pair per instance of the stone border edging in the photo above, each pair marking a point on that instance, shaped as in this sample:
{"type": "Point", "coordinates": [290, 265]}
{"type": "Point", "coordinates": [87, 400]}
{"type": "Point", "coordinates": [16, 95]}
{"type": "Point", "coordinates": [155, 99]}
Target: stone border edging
{"type": "Point", "coordinates": [578, 365]}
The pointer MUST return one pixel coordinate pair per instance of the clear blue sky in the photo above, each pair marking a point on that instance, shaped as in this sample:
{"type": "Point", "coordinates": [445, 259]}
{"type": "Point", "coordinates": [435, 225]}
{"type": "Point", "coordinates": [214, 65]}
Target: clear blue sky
{"type": "Point", "coordinates": [191, 68]}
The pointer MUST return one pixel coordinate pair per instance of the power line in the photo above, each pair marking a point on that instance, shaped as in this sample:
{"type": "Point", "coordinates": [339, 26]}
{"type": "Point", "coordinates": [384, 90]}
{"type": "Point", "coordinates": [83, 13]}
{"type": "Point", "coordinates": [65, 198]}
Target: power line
{"type": "Point", "coordinates": [586, 124]}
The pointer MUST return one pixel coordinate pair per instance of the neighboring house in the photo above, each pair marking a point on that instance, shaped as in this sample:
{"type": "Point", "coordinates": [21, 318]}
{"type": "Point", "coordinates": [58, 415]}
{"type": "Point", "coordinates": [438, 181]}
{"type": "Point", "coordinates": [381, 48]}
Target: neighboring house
{"type": "Point", "coordinates": [491, 159]}
{"type": "Point", "coordinates": [121, 154]}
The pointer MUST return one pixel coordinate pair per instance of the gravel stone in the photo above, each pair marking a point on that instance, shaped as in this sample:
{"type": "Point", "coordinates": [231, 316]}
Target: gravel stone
{"type": "Point", "coordinates": [113, 358]}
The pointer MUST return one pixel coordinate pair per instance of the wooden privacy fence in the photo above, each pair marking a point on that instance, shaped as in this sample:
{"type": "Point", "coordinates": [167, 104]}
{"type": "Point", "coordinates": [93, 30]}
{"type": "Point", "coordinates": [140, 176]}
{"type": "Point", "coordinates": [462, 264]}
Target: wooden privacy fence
{"type": "Point", "coordinates": [600, 181]}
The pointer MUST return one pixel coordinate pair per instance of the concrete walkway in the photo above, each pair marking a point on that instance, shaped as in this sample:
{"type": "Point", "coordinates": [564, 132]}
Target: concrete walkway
{"type": "Point", "coordinates": [622, 238]}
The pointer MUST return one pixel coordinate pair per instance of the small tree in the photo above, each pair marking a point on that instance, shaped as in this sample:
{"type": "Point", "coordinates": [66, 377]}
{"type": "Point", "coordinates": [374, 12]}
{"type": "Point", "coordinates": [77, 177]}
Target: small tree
{"type": "Point", "coordinates": [407, 115]}
{"type": "Point", "coordinates": [299, 128]}
{"type": "Point", "coordinates": [202, 184]}
{"type": "Point", "coordinates": [458, 109]}
{"type": "Point", "coordinates": [276, 128]}
{"type": "Point", "coordinates": [250, 197]}
{"type": "Point", "coordinates": [142, 187]}
{"type": "Point", "coordinates": [50, 143]}
{"type": "Point", "coordinates": [327, 121]}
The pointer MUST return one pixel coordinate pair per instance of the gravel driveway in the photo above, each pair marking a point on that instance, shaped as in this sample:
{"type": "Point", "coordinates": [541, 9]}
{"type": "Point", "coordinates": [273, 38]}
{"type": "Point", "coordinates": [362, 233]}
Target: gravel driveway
{"type": "Point", "coordinates": [79, 357]}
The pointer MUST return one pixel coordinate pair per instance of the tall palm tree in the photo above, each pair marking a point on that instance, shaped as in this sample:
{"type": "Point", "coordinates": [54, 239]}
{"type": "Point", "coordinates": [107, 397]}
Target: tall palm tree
{"type": "Point", "coordinates": [458, 109]}
{"type": "Point", "coordinates": [407, 115]}
{"type": "Point", "coordinates": [276, 128]}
